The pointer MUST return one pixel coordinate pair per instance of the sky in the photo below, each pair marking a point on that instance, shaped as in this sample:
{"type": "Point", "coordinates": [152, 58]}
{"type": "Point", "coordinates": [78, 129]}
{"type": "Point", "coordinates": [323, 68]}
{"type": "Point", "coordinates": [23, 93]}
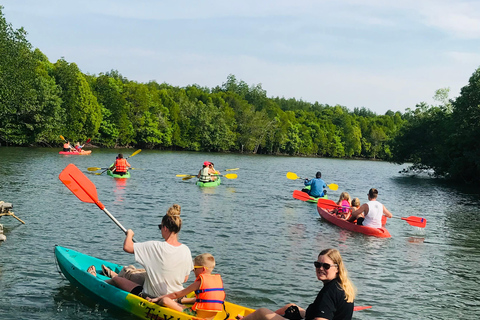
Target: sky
{"type": "Point", "coordinates": [381, 55]}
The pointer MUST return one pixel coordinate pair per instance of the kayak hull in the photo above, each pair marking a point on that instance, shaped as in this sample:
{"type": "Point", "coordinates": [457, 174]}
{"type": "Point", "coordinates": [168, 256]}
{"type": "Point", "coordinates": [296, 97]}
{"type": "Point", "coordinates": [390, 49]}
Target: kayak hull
{"type": "Point", "coordinates": [118, 176]}
{"type": "Point", "coordinates": [74, 264]}
{"type": "Point", "coordinates": [74, 153]}
{"type": "Point", "coordinates": [210, 184]}
{"type": "Point", "coordinates": [332, 218]}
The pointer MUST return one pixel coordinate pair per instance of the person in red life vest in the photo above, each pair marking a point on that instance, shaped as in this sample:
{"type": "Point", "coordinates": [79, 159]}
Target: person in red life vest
{"type": "Point", "coordinates": [78, 147]}
{"type": "Point", "coordinates": [120, 166]}
{"type": "Point", "coordinates": [209, 293]}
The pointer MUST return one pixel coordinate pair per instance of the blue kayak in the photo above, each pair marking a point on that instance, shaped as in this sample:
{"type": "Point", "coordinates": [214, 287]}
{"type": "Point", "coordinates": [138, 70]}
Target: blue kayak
{"type": "Point", "coordinates": [74, 265]}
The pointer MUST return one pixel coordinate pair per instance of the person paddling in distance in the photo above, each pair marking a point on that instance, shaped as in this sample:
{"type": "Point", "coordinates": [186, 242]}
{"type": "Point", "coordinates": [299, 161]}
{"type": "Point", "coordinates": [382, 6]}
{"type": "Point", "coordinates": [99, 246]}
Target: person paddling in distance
{"type": "Point", "coordinates": [78, 147]}
{"type": "Point", "coordinates": [120, 166]}
{"type": "Point", "coordinates": [204, 174]}
{"type": "Point", "coordinates": [334, 301]}
{"type": "Point", "coordinates": [370, 213]}
{"type": "Point", "coordinates": [67, 147]}
{"type": "Point", "coordinates": [317, 186]}
{"type": "Point", "coordinates": [213, 173]}
{"type": "Point", "coordinates": [167, 263]}
{"type": "Point", "coordinates": [208, 288]}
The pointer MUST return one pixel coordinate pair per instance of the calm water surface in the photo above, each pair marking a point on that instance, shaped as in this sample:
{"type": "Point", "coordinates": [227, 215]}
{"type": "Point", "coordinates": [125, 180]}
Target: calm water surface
{"type": "Point", "coordinates": [264, 240]}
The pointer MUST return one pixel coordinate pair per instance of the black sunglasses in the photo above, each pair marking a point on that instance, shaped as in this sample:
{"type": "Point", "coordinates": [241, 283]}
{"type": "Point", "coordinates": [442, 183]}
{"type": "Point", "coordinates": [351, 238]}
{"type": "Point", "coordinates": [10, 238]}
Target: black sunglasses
{"type": "Point", "coordinates": [325, 266]}
{"type": "Point", "coordinates": [160, 226]}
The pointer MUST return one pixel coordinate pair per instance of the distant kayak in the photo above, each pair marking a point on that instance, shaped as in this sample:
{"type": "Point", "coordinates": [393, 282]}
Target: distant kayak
{"type": "Point", "coordinates": [75, 153]}
{"type": "Point", "coordinates": [332, 218]}
{"type": "Point", "coordinates": [209, 184]}
{"type": "Point", "coordinates": [119, 176]}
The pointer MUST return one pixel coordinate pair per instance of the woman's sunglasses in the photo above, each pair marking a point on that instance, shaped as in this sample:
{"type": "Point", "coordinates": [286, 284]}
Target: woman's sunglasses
{"type": "Point", "coordinates": [325, 266]}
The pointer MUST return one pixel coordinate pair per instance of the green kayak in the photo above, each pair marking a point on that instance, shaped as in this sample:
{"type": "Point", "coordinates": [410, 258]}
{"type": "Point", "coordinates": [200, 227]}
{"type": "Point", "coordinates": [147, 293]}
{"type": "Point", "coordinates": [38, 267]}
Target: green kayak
{"type": "Point", "coordinates": [314, 199]}
{"type": "Point", "coordinates": [119, 176]}
{"type": "Point", "coordinates": [209, 184]}
{"type": "Point", "coordinates": [125, 176]}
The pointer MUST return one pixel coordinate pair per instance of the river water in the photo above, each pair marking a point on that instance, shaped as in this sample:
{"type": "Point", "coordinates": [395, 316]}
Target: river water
{"type": "Point", "coordinates": [263, 239]}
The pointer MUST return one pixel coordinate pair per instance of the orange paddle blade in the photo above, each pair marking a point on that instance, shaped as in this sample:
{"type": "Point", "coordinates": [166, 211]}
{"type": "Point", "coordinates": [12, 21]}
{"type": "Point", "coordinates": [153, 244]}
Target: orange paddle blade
{"type": "Point", "coordinates": [300, 195]}
{"type": "Point", "coordinates": [327, 204]}
{"type": "Point", "coordinates": [416, 221]}
{"type": "Point", "coordinates": [80, 185]}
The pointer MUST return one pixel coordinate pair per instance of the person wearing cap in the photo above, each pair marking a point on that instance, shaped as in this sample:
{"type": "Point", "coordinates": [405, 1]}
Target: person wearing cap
{"type": "Point", "coordinates": [317, 186]}
{"type": "Point", "coordinates": [204, 174]}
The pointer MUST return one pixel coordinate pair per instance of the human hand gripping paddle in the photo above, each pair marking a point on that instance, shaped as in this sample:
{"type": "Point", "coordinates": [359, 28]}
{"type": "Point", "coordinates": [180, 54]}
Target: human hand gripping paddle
{"type": "Point", "coordinates": [105, 169]}
{"type": "Point", "coordinates": [412, 220]}
{"type": "Point", "coordinates": [293, 176]}
{"type": "Point", "coordinates": [84, 189]}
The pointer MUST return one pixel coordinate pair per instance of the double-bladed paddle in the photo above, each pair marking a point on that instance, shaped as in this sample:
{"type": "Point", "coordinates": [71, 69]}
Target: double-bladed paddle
{"type": "Point", "coordinates": [228, 176]}
{"type": "Point", "coordinates": [188, 175]}
{"type": "Point", "coordinates": [293, 176]}
{"type": "Point", "coordinates": [412, 220]}
{"type": "Point", "coordinates": [84, 189]}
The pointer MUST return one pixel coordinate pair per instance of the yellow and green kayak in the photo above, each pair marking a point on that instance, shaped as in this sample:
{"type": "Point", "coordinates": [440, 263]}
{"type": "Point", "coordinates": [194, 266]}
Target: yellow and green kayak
{"type": "Point", "coordinates": [74, 265]}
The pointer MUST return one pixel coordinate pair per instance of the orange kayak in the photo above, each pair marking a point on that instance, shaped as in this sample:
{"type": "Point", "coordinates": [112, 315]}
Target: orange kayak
{"type": "Point", "coordinates": [83, 153]}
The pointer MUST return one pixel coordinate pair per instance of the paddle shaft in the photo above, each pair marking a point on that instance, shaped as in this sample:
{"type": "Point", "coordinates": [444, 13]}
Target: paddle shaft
{"type": "Point", "coordinates": [98, 203]}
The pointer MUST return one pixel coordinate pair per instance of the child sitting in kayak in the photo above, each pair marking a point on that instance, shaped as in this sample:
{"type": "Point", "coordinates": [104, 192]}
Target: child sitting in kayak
{"type": "Point", "coordinates": [209, 293]}
{"type": "Point", "coordinates": [355, 204]}
{"type": "Point", "coordinates": [345, 202]}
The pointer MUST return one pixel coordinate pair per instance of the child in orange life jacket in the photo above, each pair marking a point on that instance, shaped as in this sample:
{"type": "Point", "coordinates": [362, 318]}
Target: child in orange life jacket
{"type": "Point", "coordinates": [120, 166]}
{"type": "Point", "coordinates": [345, 202]}
{"type": "Point", "coordinates": [208, 288]}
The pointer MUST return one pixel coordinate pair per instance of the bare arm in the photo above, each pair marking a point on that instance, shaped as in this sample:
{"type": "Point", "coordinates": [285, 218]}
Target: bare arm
{"type": "Point", "coordinates": [128, 243]}
{"type": "Point", "coordinates": [387, 213]}
{"type": "Point", "coordinates": [175, 295]}
{"type": "Point", "coordinates": [363, 209]}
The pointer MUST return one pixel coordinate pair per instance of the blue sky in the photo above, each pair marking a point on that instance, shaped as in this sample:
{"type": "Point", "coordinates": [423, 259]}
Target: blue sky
{"type": "Point", "coordinates": [374, 54]}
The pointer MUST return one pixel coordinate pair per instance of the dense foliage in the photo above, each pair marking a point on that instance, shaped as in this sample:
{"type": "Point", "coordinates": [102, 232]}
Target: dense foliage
{"type": "Point", "coordinates": [40, 100]}
{"type": "Point", "coordinates": [444, 138]}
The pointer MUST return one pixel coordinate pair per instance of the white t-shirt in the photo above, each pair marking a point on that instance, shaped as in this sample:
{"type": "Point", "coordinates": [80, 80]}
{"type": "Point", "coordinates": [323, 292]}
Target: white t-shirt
{"type": "Point", "coordinates": [166, 266]}
{"type": "Point", "coordinates": [373, 218]}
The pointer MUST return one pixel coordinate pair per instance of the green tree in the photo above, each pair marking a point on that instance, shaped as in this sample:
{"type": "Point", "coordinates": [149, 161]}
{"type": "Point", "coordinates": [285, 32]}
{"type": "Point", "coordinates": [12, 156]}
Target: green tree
{"type": "Point", "coordinates": [83, 113]}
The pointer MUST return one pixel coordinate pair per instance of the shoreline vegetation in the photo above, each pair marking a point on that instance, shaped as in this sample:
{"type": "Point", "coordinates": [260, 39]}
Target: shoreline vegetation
{"type": "Point", "coordinates": [40, 100]}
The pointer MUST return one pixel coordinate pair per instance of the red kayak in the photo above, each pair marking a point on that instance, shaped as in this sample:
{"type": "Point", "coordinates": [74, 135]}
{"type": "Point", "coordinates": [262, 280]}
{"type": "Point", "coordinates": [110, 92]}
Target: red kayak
{"type": "Point", "coordinates": [82, 153]}
{"type": "Point", "coordinates": [325, 209]}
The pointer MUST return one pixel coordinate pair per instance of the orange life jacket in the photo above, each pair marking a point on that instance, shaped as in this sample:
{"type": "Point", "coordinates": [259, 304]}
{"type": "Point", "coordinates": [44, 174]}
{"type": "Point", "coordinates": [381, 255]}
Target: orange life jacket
{"type": "Point", "coordinates": [121, 165]}
{"type": "Point", "coordinates": [210, 295]}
